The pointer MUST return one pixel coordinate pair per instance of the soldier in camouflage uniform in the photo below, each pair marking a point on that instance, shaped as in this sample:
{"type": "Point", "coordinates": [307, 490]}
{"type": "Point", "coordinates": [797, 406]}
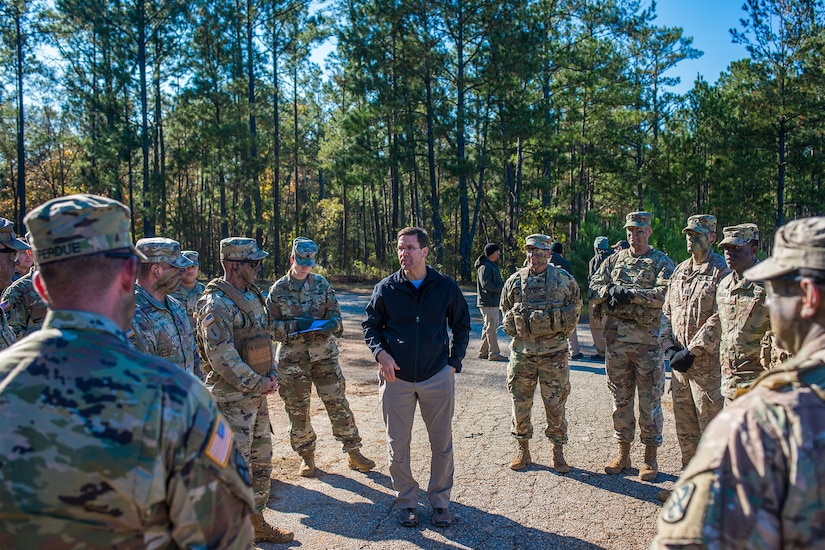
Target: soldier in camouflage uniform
{"type": "Point", "coordinates": [743, 316]}
{"type": "Point", "coordinates": [690, 343]}
{"type": "Point", "coordinates": [631, 284]}
{"type": "Point", "coordinates": [541, 305]}
{"type": "Point", "coordinates": [297, 301]}
{"type": "Point", "coordinates": [10, 245]}
{"type": "Point", "coordinates": [239, 364]}
{"type": "Point", "coordinates": [102, 445]}
{"type": "Point", "coordinates": [190, 288]}
{"type": "Point", "coordinates": [26, 309]}
{"type": "Point", "coordinates": [757, 477]}
{"type": "Point", "coordinates": [160, 326]}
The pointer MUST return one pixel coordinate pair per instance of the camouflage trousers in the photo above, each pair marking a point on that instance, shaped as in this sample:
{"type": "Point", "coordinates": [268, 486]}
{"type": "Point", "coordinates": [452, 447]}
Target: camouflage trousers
{"type": "Point", "coordinates": [249, 419]}
{"type": "Point", "coordinates": [630, 368]}
{"type": "Point", "coordinates": [697, 398]}
{"type": "Point", "coordinates": [295, 387]}
{"type": "Point", "coordinates": [551, 373]}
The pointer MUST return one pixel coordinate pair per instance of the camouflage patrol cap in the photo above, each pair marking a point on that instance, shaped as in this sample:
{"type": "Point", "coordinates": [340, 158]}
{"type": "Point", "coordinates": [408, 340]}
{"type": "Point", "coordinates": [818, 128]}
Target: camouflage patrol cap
{"type": "Point", "coordinates": [739, 235]}
{"type": "Point", "coordinates": [538, 240]}
{"type": "Point", "coordinates": [8, 237]}
{"type": "Point", "coordinates": [601, 242]}
{"type": "Point", "coordinates": [160, 249]}
{"type": "Point", "coordinates": [638, 219]}
{"type": "Point", "coordinates": [240, 249]}
{"type": "Point", "coordinates": [700, 223]}
{"type": "Point", "coordinates": [78, 225]}
{"type": "Point", "coordinates": [192, 256]}
{"type": "Point", "coordinates": [304, 251]}
{"type": "Point", "coordinates": [800, 244]}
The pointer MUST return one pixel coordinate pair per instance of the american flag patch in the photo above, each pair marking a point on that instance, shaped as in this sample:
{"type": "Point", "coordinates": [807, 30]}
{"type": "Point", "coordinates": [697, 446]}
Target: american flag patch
{"type": "Point", "coordinates": [208, 320]}
{"type": "Point", "coordinates": [220, 443]}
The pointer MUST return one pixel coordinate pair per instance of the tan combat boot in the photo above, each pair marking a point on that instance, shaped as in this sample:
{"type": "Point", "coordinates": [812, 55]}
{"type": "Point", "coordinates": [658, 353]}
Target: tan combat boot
{"type": "Point", "coordinates": [307, 468]}
{"type": "Point", "coordinates": [559, 464]}
{"type": "Point", "coordinates": [522, 458]}
{"type": "Point", "coordinates": [620, 462]}
{"type": "Point", "coordinates": [651, 468]}
{"type": "Point", "coordinates": [359, 462]}
{"type": "Point", "coordinates": [265, 532]}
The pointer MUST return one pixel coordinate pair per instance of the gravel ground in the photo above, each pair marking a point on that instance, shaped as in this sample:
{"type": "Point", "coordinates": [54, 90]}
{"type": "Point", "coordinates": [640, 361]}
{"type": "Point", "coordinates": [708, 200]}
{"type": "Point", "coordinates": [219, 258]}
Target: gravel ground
{"type": "Point", "coordinates": [493, 506]}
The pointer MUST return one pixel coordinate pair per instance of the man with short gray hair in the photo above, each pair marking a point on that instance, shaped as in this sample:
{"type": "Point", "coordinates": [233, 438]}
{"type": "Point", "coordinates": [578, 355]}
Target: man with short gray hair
{"type": "Point", "coordinates": [756, 479]}
{"type": "Point", "coordinates": [160, 326]}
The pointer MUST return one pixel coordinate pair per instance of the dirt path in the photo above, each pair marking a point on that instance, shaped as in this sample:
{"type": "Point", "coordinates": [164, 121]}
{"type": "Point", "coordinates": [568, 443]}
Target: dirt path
{"type": "Point", "coordinates": [495, 507]}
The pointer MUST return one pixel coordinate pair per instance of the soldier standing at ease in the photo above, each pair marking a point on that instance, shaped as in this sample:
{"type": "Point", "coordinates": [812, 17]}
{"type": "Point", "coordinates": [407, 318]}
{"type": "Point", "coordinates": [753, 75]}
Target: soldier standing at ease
{"type": "Point", "coordinates": [239, 363]}
{"type": "Point", "coordinates": [26, 309]}
{"type": "Point", "coordinates": [489, 284]}
{"type": "Point", "coordinates": [296, 301]}
{"type": "Point", "coordinates": [160, 326]}
{"type": "Point", "coordinates": [190, 288]}
{"type": "Point", "coordinates": [104, 446]}
{"type": "Point", "coordinates": [541, 305]}
{"type": "Point", "coordinates": [743, 315]}
{"type": "Point", "coordinates": [690, 342]}
{"type": "Point", "coordinates": [10, 245]}
{"type": "Point", "coordinates": [632, 284]}
{"type": "Point", "coordinates": [756, 480]}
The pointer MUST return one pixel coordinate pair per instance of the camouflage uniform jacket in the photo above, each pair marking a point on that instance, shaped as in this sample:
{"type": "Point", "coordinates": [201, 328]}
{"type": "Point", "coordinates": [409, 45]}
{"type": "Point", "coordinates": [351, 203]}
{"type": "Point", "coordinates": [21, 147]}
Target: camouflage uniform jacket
{"type": "Point", "coordinates": [228, 377]}
{"type": "Point", "coordinates": [162, 330]}
{"type": "Point", "coordinates": [757, 478]}
{"type": "Point", "coordinates": [638, 322]}
{"type": "Point", "coordinates": [689, 303]}
{"type": "Point", "coordinates": [743, 321]}
{"type": "Point", "coordinates": [189, 298]}
{"type": "Point", "coordinates": [104, 446]}
{"type": "Point", "coordinates": [6, 335]}
{"type": "Point", "coordinates": [540, 310]}
{"type": "Point", "coordinates": [314, 298]}
{"type": "Point", "coordinates": [26, 310]}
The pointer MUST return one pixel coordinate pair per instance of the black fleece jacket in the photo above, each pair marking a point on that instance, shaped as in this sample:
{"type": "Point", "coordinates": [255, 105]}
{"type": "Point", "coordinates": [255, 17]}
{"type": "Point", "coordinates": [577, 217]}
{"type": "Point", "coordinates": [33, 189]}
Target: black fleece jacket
{"type": "Point", "coordinates": [411, 324]}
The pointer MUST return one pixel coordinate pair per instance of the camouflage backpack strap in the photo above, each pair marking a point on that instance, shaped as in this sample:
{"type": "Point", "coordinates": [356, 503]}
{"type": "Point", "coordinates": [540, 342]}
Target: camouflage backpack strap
{"type": "Point", "coordinates": [236, 295]}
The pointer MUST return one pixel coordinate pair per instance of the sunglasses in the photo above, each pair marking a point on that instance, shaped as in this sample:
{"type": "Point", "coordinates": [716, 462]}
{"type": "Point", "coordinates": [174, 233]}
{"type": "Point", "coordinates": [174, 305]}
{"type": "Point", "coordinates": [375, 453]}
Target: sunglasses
{"type": "Point", "coordinates": [255, 264]}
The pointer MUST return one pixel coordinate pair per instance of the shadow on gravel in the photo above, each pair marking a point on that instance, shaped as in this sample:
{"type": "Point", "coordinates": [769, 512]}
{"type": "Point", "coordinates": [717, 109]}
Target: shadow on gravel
{"type": "Point", "coordinates": [586, 368]}
{"type": "Point", "coordinates": [622, 484]}
{"type": "Point", "coordinates": [371, 516]}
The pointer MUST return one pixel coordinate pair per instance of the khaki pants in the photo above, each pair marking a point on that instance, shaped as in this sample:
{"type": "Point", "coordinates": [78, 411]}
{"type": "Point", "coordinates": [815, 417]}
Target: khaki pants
{"type": "Point", "coordinates": [597, 329]}
{"type": "Point", "coordinates": [489, 338]}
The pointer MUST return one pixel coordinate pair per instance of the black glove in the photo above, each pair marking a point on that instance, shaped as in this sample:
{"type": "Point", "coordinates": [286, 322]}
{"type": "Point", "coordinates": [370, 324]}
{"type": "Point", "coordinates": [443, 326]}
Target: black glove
{"type": "Point", "coordinates": [618, 295]}
{"type": "Point", "coordinates": [671, 352]}
{"type": "Point", "coordinates": [302, 323]}
{"type": "Point", "coordinates": [682, 360]}
{"type": "Point", "coordinates": [328, 327]}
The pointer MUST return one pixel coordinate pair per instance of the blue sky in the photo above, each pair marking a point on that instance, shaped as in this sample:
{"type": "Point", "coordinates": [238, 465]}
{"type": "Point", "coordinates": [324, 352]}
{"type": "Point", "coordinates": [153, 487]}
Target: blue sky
{"type": "Point", "coordinates": [709, 23]}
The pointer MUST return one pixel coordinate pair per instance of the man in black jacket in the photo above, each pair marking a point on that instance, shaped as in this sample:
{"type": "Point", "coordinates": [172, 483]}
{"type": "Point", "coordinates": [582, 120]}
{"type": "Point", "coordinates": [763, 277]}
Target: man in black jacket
{"type": "Point", "coordinates": [406, 330]}
{"type": "Point", "coordinates": [489, 286]}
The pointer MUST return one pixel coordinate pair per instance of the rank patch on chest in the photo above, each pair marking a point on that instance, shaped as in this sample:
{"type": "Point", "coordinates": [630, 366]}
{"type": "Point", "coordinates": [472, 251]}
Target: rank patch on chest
{"type": "Point", "coordinates": [220, 443]}
{"type": "Point", "coordinates": [678, 502]}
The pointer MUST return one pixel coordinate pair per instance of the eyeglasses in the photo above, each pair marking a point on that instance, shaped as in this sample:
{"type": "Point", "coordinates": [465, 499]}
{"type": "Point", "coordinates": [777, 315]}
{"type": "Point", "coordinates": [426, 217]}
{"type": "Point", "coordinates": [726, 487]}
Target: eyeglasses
{"type": "Point", "coordinates": [254, 264]}
{"type": "Point", "coordinates": [537, 252]}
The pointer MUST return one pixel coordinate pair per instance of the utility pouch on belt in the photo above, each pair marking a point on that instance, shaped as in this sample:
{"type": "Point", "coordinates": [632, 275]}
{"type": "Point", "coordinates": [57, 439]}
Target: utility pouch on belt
{"type": "Point", "coordinates": [541, 323]}
{"type": "Point", "coordinates": [257, 353]}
